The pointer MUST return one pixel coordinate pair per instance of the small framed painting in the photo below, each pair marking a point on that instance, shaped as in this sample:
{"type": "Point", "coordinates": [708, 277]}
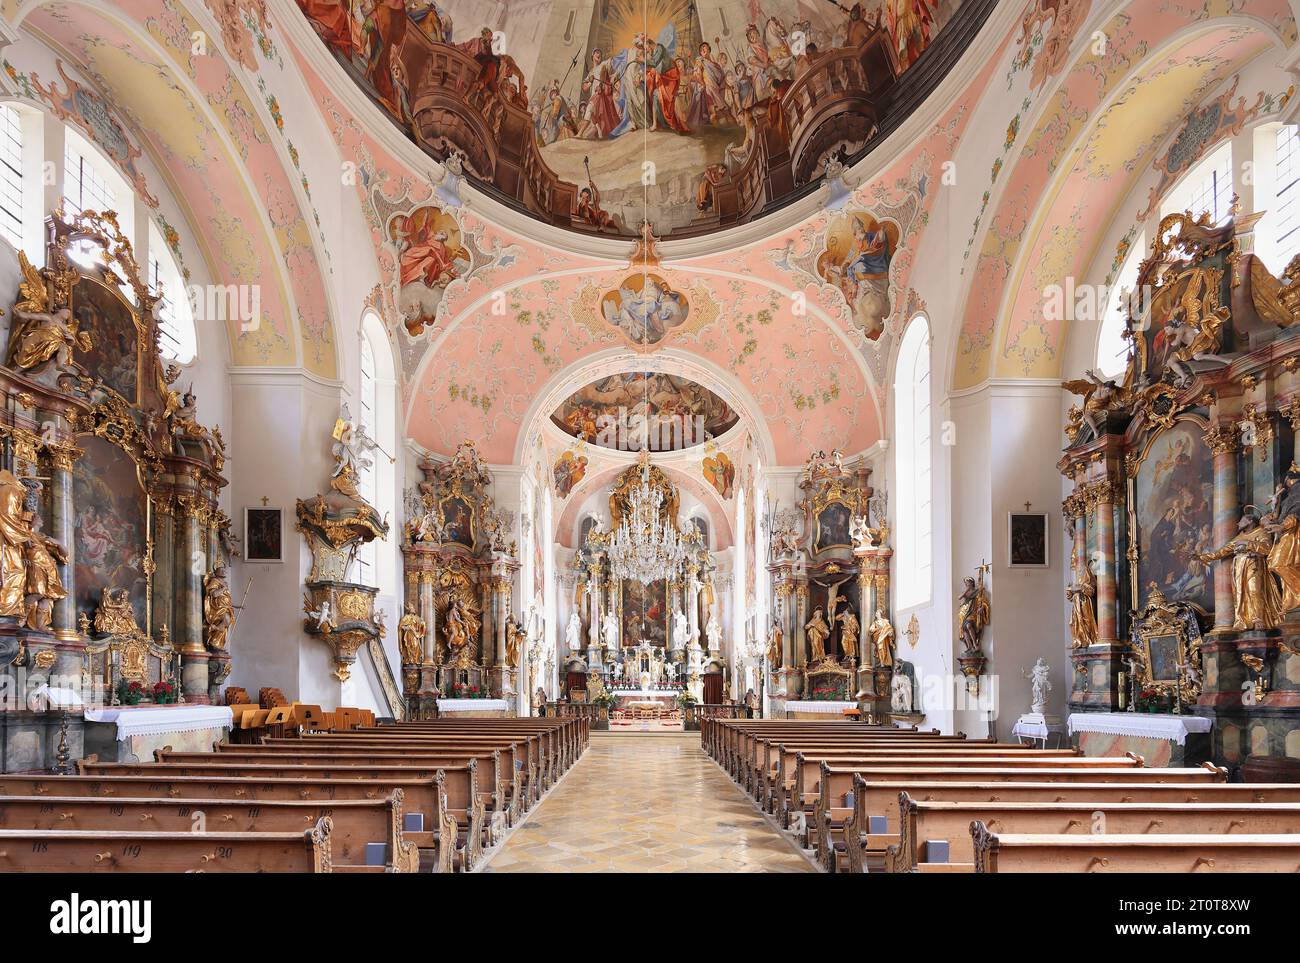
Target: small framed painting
{"type": "Point", "coordinates": [1027, 540]}
{"type": "Point", "coordinates": [263, 535]}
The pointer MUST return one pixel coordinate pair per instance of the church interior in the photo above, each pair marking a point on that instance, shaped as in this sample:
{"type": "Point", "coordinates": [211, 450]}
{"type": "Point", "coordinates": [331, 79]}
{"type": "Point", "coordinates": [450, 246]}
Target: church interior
{"type": "Point", "coordinates": [840, 438]}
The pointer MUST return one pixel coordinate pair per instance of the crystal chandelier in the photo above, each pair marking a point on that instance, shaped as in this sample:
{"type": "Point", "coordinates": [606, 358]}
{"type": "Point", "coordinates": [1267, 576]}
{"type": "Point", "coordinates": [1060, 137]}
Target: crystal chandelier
{"type": "Point", "coordinates": [646, 547]}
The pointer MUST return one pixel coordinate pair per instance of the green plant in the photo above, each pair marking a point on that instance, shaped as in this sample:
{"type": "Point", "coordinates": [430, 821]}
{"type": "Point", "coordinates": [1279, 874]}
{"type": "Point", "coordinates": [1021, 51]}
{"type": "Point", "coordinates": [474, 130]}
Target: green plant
{"type": "Point", "coordinates": [129, 693]}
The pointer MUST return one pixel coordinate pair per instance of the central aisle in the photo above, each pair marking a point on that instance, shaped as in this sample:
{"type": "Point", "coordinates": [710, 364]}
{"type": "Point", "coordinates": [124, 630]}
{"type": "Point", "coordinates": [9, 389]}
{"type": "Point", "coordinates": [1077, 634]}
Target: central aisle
{"type": "Point", "coordinates": [651, 803]}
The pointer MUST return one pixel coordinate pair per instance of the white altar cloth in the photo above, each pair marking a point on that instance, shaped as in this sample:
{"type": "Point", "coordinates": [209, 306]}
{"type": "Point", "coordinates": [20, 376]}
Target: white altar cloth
{"type": "Point", "coordinates": [160, 720]}
{"type": "Point", "coordinates": [468, 705]}
{"type": "Point", "coordinates": [819, 705]}
{"type": "Point", "coordinates": [1144, 725]}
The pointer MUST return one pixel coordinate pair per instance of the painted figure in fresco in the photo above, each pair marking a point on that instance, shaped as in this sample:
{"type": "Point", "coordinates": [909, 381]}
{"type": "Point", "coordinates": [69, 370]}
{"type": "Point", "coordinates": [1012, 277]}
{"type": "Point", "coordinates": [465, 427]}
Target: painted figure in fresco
{"type": "Point", "coordinates": [425, 256]}
{"type": "Point", "coordinates": [330, 20]}
{"type": "Point", "coordinates": [758, 61]}
{"type": "Point", "coordinates": [218, 609]}
{"type": "Point", "coordinates": [489, 64]}
{"type": "Point", "coordinates": [554, 121]}
{"type": "Point", "coordinates": [910, 24]}
{"type": "Point", "coordinates": [647, 316]}
{"type": "Point", "coordinates": [589, 209]}
{"type": "Point", "coordinates": [818, 632]}
{"type": "Point", "coordinates": [430, 19]}
{"type": "Point", "coordinates": [600, 116]}
{"type": "Point", "coordinates": [1255, 596]}
{"type": "Point", "coordinates": [568, 471]}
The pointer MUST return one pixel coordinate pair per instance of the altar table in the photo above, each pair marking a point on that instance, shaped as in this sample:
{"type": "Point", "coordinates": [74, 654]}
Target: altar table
{"type": "Point", "coordinates": [473, 708]}
{"type": "Point", "coordinates": [132, 733]}
{"type": "Point", "coordinates": [817, 709]}
{"type": "Point", "coordinates": [1161, 739]}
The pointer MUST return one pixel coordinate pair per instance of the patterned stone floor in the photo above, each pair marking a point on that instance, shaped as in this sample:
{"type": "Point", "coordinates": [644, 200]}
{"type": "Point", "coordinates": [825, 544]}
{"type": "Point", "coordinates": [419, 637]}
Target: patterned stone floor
{"type": "Point", "coordinates": [652, 803]}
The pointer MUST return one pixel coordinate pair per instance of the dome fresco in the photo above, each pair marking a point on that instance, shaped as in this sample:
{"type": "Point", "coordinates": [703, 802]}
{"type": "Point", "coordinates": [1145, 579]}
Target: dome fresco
{"type": "Point", "coordinates": [617, 411]}
{"type": "Point", "coordinates": [596, 116]}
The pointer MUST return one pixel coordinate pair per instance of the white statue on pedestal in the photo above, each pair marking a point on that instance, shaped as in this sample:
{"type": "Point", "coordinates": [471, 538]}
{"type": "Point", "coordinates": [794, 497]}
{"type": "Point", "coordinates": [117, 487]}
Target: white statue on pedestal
{"type": "Point", "coordinates": [1041, 684]}
{"type": "Point", "coordinates": [900, 693]}
{"type": "Point", "coordinates": [533, 622]}
{"type": "Point", "coordinates": [670, 672]}
{"type": "Point", "coordinates": [714, 633]}
{"type": "Point", "coordinates": [696, 686]}
{"type": "Point", "coordinates": [573, 633]}
{"type": "Point", "coordinates": [610, 630]}
{"type": "Point", "coordinates": [681, 629]}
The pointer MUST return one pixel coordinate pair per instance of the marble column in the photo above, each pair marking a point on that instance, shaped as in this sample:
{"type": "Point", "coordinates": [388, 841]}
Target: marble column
{"type": "Point", "coordinates": [428, 612]}
{"type": "Point", "coordinates": [164, 579]}
{"type": "Point", "coordinates": [1103, 496]}
{"type": "Point", "coordinates": [867, 608]}
{"type": "Point", "coordinates": [1223, 442]}
{"type": "Point", "coordinates": [800, 620]}
{"type": "Point", "coordinates": [63, 530]}
{"type": "Point", "coordinates": [501, 592]}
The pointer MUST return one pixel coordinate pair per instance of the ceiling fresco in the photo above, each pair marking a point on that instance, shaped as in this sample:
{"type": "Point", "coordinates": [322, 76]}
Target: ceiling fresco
{"type": "Point", "coordinates": [594, 116]}
{"type": "Point", "coordinates": [616, 411]}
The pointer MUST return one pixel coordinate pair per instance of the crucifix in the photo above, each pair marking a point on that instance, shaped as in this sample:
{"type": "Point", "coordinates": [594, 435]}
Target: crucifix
{"type": "Point", "coordinates": [1027, 504]}
{"type": "Point", "coordinates": [265, 501]}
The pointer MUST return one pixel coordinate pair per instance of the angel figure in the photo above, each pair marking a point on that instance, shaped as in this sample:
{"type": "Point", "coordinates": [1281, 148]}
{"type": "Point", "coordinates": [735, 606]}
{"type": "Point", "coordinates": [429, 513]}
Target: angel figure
{"type": "Point", "coordinates": [1101, 397]}
{"type": "Point", "coordinates": [1190, 334]}
{"type": "Point", "coordinates": [322, 615]}
{"type": "Point", "coordinates": [351, 447]}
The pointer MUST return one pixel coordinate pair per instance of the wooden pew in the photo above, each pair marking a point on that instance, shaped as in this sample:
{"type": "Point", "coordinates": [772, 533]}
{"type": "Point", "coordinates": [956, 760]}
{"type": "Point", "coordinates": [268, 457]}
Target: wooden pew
{"type": "Point", "coordinates": [426, 796]}
{"type": "Point", "coordinates": [497, 768]}
{"type": "Point", "coordinates": [1155, 853]}
{"type": "Point", "coordinates": [137, 851]}
{"type": "Point", "coordinates": [877, 794]}
{"type": "Point", "coordinates": [921, 822]}
{"type": "Point", "coordinates": [465, 800]}
{"type": "Point", "coordinates": [356, 822]}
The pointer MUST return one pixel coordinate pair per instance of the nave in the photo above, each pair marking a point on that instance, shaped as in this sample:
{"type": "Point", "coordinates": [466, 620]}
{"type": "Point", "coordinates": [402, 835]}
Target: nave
{"type": "Point", "coordinates": [646, 803]}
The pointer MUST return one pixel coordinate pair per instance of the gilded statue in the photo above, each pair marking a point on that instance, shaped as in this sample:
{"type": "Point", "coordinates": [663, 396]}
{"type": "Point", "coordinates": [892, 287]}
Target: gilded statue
{"type": "Point", "coordinates": [115, 616]}
{"type": "Point", "coordinates": [461, 626]}
{"type": "Point", "coordinates": [882, 639]}
{"type": "Point", "coordinates": [1101, 397]}
{"type": "Point", "coordinates": [1082, 593]}
{"type": "Point", "coordinates": [848, 633]}
{"type": "Point", "coordinates": [818, 632]}
{"type": "Point", "coordinates": [514, 642]}
{"type": "Point", "coordinates": [218, 609]}
{"type": "Point", "coordinates": [973, 612]}
{"type": "Point", "coordinates": [44, 586]}
{"type": "Point", "coordinates": [1284, 524]}
{"type": "Point", "coordinates": [774, 639]}
{"type": "Point", "coordinates": [15, 534]}
{"type": "Point", "coordinates": [1255, 596]}
{"type": "Point", "coordinates": [410, 636]}
{"type": "Point", "coordinates": [42, 334]}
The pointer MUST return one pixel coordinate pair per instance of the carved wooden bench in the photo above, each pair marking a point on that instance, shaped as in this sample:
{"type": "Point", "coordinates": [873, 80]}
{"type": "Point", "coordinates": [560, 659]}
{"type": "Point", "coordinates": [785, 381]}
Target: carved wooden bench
{"type": "Point", "coordinates": [356, 822]}
{"type": "Point", "coordinates": [1156, 853]}
{"type": "Point", "coordinates": [922, 822]}
{"type": "Point", "coordinates": [138, 851]}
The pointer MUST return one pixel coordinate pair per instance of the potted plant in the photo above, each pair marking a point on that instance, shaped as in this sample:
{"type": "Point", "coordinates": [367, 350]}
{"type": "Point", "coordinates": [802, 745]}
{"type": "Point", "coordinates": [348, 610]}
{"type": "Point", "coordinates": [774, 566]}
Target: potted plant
{"type": "Point", "coordinates": [129, 693]}
{"type": "Point", "coordinates": [164, 693]}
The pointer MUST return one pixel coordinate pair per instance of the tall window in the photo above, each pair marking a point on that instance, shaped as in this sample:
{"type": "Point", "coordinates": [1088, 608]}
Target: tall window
{"type": "Point", "coordinates": [88, 185]}
{"type": "Point", "coordinates": [367, 484]}
{"type": "Point", "coordinates": [175, 315]}
{"type": "Point", "coordinates": [11, 176]}
{"type": "Point", "coordinates": [1112, 346]}
{"type": "Point", "coordinates": [912, 465]}
{"type": "Point", "coordinates": [1208, 187]}
{"type": "Point", "coordinates": [1286, 194]}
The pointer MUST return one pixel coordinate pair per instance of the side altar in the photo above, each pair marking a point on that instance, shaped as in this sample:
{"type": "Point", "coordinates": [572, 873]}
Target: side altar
{"type": "Point", "coordinates": [114, 552]}
{"type": "Point", "coordinates": [1185, 510]}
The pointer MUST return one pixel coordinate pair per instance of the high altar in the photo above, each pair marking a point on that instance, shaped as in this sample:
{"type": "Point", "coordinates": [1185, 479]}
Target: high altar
{"type": "Point", "coordinates": [662, 634]}
{"type": "Point", "coordinates": [1186, 590]}
{"type": "Point", "coordinates": [113, 551]}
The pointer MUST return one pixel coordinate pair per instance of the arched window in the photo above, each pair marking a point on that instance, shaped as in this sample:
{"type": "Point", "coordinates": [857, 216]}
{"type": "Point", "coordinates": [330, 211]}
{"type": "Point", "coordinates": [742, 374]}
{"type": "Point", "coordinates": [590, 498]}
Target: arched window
{"type": "Point", "coordinates": [1112, 346]}
{"type": "Point", "coordinates": [376, 411]}
{"type": "Point", "coordinates": [90, 184]}
{"type": "Point", "coordinates": [1207, 187]}
{"type": "Point", "coordinates": [912, 465]}
{"type": "Point", "coordinates": [1283, 240]}
{"type": "Point", "coordinates": [175, 315]}
{"type": "Point", "coordinates": [11, 176]}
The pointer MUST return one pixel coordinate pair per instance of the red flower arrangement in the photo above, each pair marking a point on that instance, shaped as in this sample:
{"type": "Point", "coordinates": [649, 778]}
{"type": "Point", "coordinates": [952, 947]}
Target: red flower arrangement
{"type": "Point", "coordinates": [164, 693]}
